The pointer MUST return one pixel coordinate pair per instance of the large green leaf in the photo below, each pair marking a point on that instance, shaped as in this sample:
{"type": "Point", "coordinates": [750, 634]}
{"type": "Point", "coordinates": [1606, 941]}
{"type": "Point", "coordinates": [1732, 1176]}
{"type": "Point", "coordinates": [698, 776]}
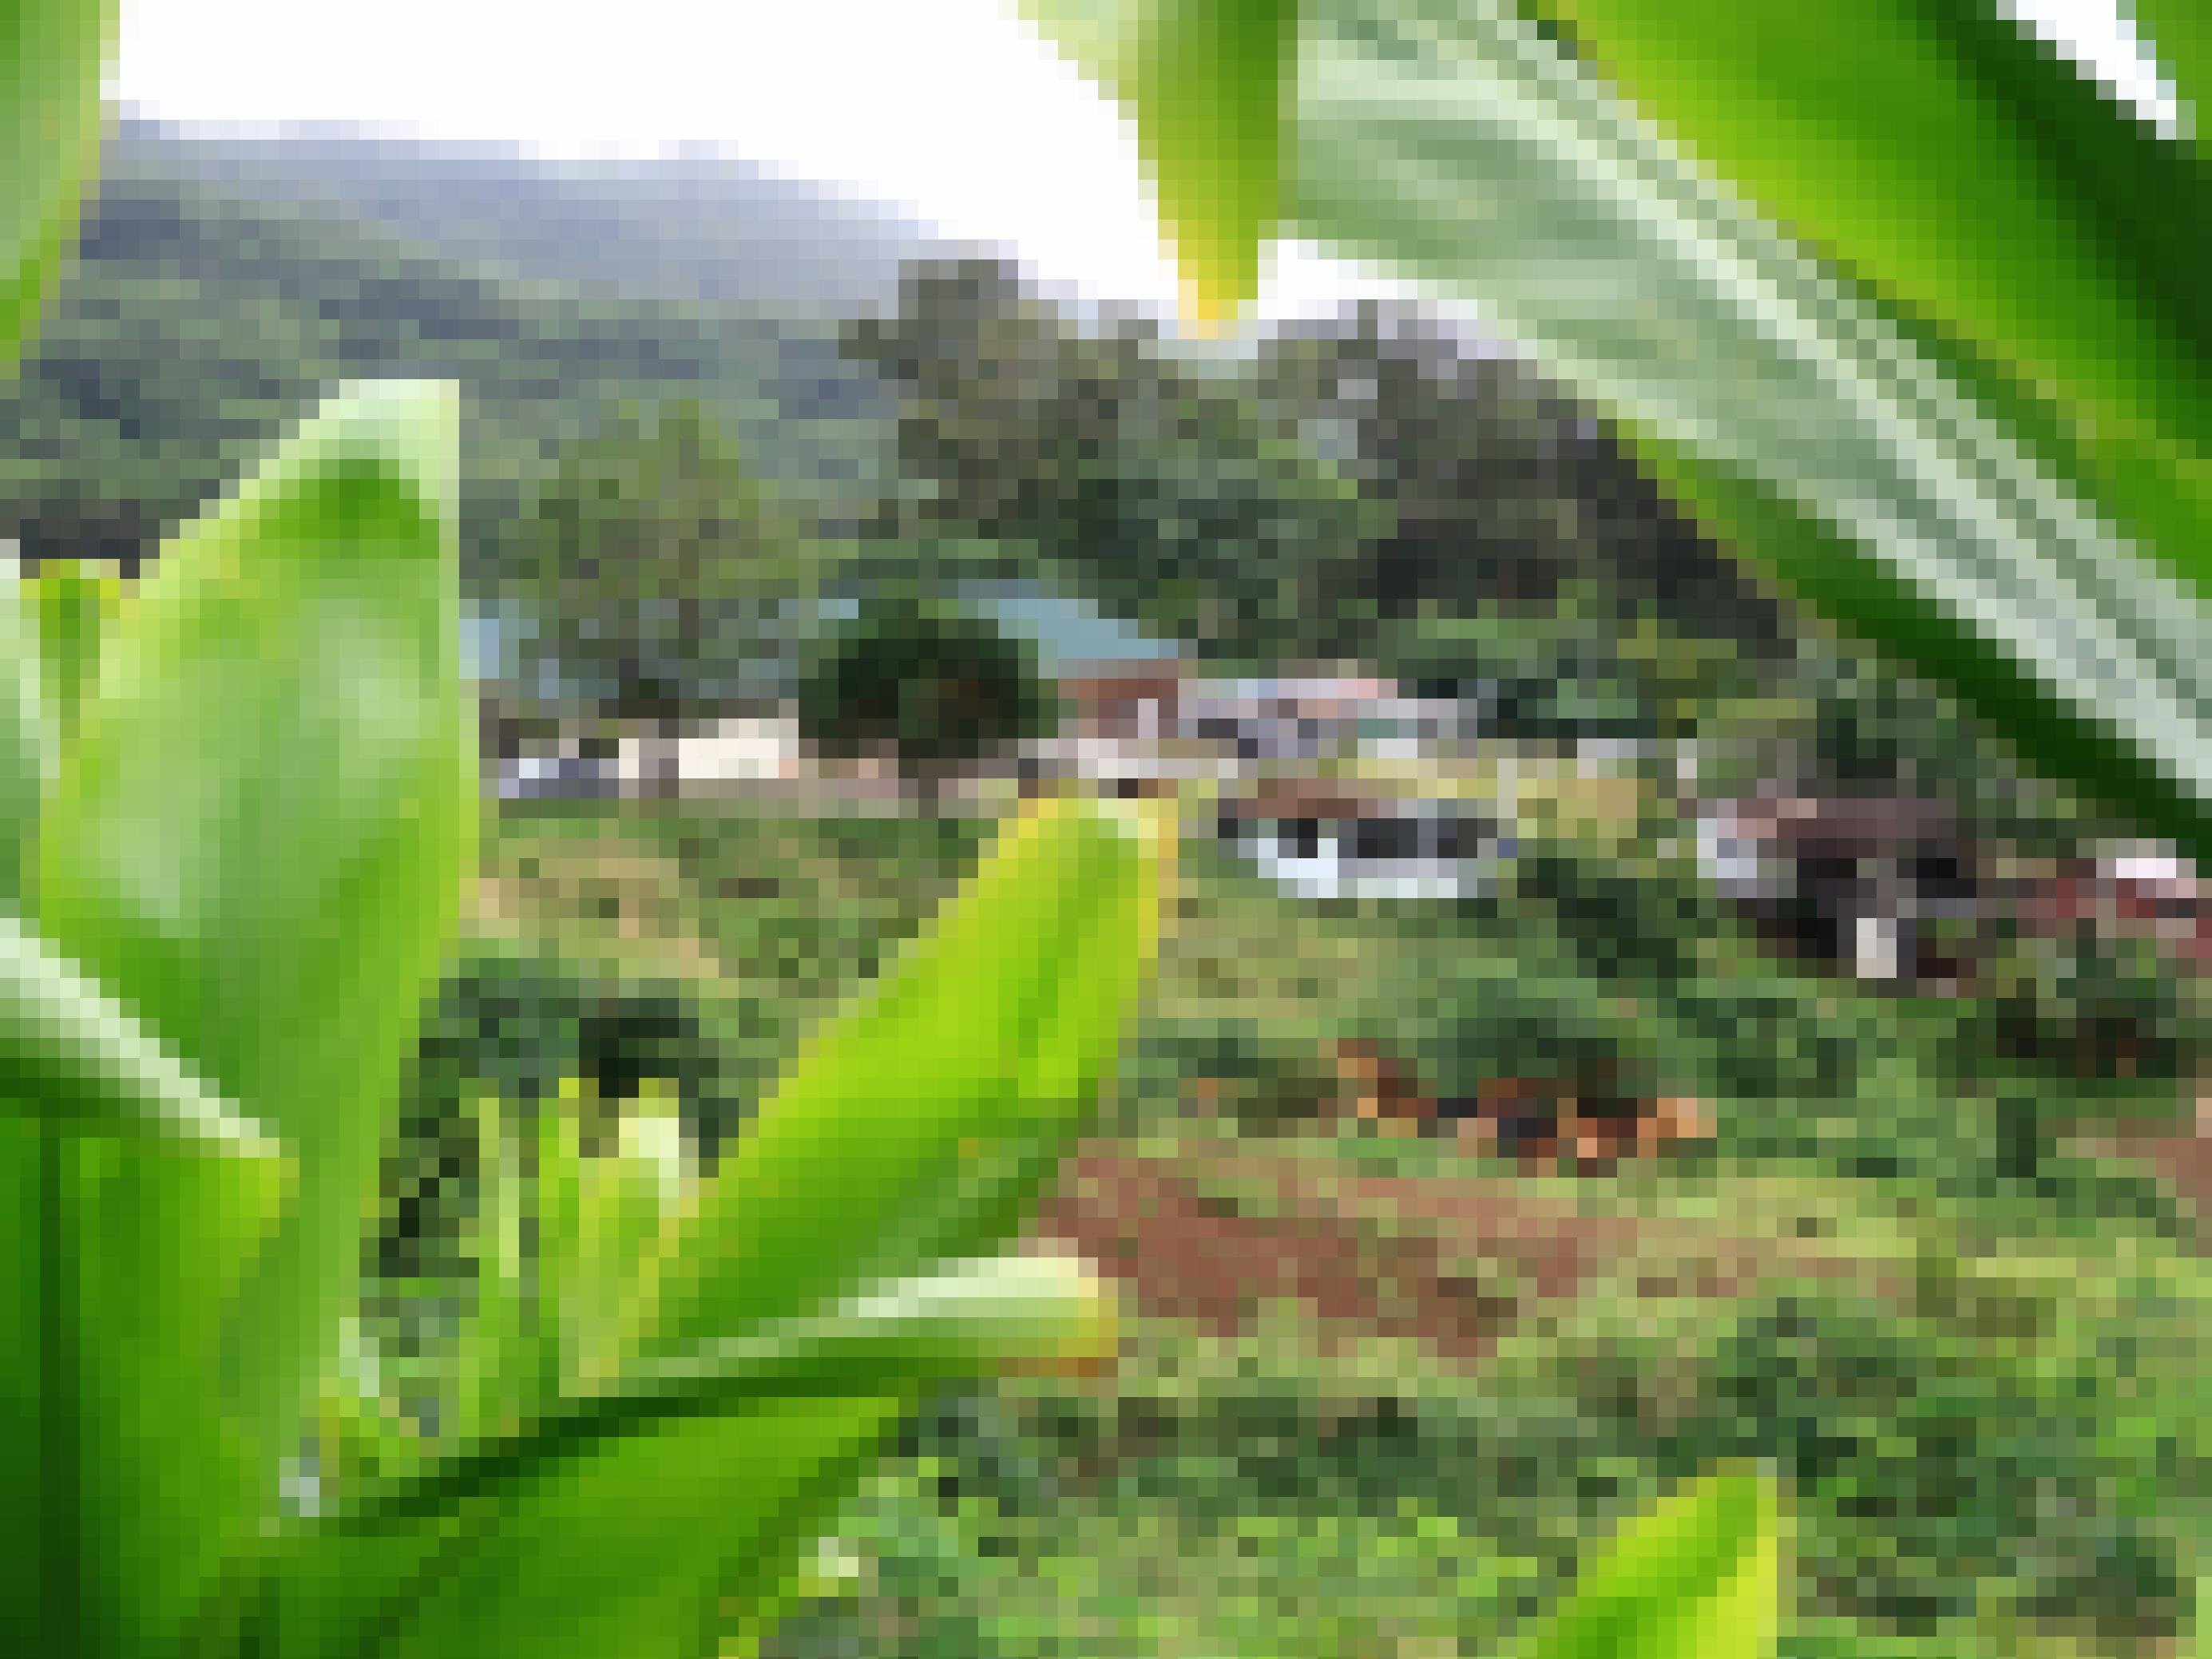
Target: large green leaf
{"type": "Point", "coordinates": [25, 1316]}
{"type": "Point", "coordinates": [1697, 1578]}
{"type": "Point", "coordinates": [27, 738]}
{"type": "Point", "coordinates": [74, 607]}
{"type": "Point", "coordinates": [163, 1477]}
{"type": "Point", "coordinates": [1208, 82]}
{"type": "Point", "coordinates": [1984, 194]}
{"type": "Point", "coordinates": [133, 1205]}
{"type": "Point", "coordinates": [778, 1332]}
{"type": "Point", "coordinates": [52, 54]}
{"type": "Point", "coordinates": [70, 1056]}
{"type": "Point", "coordinates": [969, 1317]}
{"type": "Point", "coordinates": [1965, 405]}
{"type": "Point", "coordinates": [2179, 34]}
{"type": "Point", "coordinates": [917, 1108]}
{"type": "Point", "coordinates": [255, 844]}
{"type": "Point", "coordinates": [1939, 152]}
{"type": "Point", "coordinates": [624, 1520]}
{"type": "Point", "coordinates": [619, 1550]}
{"type": "Point", "coordinates": [127, 1189]}
{"type": "Point", "coordinates": [1468, 150]}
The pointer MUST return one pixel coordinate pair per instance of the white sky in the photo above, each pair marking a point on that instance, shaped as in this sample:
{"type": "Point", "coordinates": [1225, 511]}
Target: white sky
{"type": "Point", "coordinates": [951, 109]}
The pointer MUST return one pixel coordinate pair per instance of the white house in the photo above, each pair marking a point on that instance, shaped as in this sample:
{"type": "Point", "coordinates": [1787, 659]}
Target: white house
{"type": "Point", "coordinates": [1326, 842]}
{"type": "Point", "coordinates": [732, 752]}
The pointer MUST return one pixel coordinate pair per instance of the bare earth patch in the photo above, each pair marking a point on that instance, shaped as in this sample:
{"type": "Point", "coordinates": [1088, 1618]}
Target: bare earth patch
{"type": "Point", "coordinates": [1433, 1274]}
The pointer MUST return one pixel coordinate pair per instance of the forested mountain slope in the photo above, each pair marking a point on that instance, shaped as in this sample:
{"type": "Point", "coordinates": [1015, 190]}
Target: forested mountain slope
{"type": "Point", "coordinates": [693, 226]}
{"type": "Point", "coordinates": [197, 320]}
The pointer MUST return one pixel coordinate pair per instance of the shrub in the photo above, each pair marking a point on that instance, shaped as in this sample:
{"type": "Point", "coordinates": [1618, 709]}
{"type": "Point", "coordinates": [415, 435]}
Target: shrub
{"type": "Point", "coordinates": [935, 687]}
{"type": "Point", "coordinates": [517, 1025]}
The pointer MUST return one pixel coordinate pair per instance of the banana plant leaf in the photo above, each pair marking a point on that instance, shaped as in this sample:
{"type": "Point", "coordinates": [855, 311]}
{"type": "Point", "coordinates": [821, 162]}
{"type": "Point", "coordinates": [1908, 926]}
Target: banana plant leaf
{"type": "Point", "coordinates": [52, 54]}
{"type": "Point", "coordinates": [27, 738]}
{"type": "Point", "coordinates": [2181, 31]}
{"type": "Point", "coordinates": [675, 1499]}
{"type": "Point", "coordinates": [1970, 418]}
{"type": "Point", "coordinates": [910, 1109]}
{"type": "Point", "coordinates": [1697, 1578]}
{"type": "Point", "coordinates": [247, 863]}
{"type": "Point", "coordinates": [74, 607]}
{"type": "Point", "coordinates": [636, 1516]}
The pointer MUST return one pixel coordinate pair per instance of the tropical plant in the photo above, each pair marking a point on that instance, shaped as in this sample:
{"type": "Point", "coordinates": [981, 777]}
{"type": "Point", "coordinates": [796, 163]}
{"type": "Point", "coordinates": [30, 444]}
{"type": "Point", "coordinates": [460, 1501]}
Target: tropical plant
{"type": "Point", "coordinates": [242, 809]}
{"type": "Point", "coordinates": [1901, 306]}
{"type": "Point", "coordinates": [243, 818]}
{"type": "Point", "coordinates": [1994, 465]}
{"type": "Point", "coordinates": [659, 576]}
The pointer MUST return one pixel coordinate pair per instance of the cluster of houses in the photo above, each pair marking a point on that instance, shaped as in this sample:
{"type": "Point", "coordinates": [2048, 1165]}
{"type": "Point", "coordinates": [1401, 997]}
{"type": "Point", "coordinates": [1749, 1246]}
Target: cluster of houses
{"type": "Point", "coordinates": [1259, 746]}
{"type": "Point", "coordinates": [1263, 744]}
{"type": "Point", "coordinates": [1334, 785]}
{"type": "Point", "coordinates": [1896, 890]}
{"type": "Point", "coordinates": [1890, 889]}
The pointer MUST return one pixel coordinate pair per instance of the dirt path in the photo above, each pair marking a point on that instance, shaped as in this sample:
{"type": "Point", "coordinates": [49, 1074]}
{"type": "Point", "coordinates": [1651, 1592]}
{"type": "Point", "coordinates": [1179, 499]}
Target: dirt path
{"type": "Point", "coordinates": [1182, 1253]}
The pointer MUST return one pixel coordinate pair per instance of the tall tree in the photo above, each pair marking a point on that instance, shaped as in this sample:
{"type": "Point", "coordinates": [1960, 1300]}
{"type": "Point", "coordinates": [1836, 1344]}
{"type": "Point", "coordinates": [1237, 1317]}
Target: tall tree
{"type": "Point", "coordinates": [661, 577]}
{"type": "Point", "coordinates": [1160, 486]}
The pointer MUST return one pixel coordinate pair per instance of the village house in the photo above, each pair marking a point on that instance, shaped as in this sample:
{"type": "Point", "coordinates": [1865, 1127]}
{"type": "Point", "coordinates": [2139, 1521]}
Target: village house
{"type": "Point", "coordinates": [1152, 726]}
{"type": "Point", "coordinates": [1325, 841]}
{"type": "Point", "coordinates": [2150, 894]}
{"type": "Point", "coordinates": [1136, 716]}
{"type": "Point", "coordinates": [1863, 883]}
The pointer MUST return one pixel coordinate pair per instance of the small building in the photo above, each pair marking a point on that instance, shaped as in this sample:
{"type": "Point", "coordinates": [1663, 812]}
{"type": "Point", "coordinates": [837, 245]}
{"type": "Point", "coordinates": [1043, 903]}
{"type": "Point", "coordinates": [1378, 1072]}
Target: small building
{"type": "Point", "coordinates": [1142, 700]}
{"type": "Point", "coordinates": [1319, 717]}
{"type": "Point", "coordinates": [740, 751]}
{"type": "Point", "coordinates": [1164, 710]}
{"type": "Point", "coordinates": [2145, 895]}
{"type": "Point", "coordinates": [1854, 881]}
{"type": "Point", "coordinates": [1325, 841]}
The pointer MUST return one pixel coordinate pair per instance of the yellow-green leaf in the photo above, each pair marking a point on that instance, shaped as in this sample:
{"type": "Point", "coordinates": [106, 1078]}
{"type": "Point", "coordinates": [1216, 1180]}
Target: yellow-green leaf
{"type": "Point", "coordinates": [52, 55]}
{"type": "Point", "coordinates": [621, 1549]}
{"type": "Point", "coordinates": [709, 1474]}
{"type": "Point", "coordinates": [255, 845]}
{"type": "Point", "coordinates": [914, 1108]}
{"type": "Point", "coordinates": [1467, 149]}
{"type": "Point", "coordinates": [166, 1486]}
{"type": "Point", "coordinates": [74, 607]}
{"type": "Point", "coordinates": [1207, 85]}
{"type": "Point", "coordinates": [27, 738]}
{"type": "Point", "coordinates": [134, 1203]}
{"type": "Point", "coordinates": [1696, 1577]}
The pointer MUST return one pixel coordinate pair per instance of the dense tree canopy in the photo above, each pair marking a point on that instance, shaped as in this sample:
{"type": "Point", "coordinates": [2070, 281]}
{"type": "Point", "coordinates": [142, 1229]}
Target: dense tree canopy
{"type": "Point", "coordinates": [1333, 493]}
{"type": "Point", "coordinates": [931, 686]}
{"type": "Point", "coordinates": [659, 574]}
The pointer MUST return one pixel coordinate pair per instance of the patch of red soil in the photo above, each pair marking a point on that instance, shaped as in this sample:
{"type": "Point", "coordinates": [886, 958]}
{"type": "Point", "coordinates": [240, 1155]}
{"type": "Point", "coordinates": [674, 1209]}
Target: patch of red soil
{"type": "Point", "coordinates": [1182, 1254]}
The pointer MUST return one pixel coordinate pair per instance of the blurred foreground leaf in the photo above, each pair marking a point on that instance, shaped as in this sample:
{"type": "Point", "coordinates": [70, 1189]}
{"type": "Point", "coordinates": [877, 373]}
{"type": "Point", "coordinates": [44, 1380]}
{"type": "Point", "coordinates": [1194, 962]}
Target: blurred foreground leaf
{"type": "Point", "coordinates": [1209, 84]}
{"type": "Point", "coordinates": [53, 57]}
{"type": "Point", "coordinates": [254, 845]}
{"type": "Point", "coordinates": [1697, 1578]}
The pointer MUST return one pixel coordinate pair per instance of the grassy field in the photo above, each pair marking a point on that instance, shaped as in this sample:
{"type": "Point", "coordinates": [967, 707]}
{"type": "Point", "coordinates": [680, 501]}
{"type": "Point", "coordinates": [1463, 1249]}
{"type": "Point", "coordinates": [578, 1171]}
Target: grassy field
{"type": "Point", "coordinates": [1982, 1390]}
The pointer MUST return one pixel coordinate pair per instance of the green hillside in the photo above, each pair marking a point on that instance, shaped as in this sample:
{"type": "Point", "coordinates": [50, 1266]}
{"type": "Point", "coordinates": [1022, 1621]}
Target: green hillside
{"type": "Point", "coordinates": [197, 322]}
